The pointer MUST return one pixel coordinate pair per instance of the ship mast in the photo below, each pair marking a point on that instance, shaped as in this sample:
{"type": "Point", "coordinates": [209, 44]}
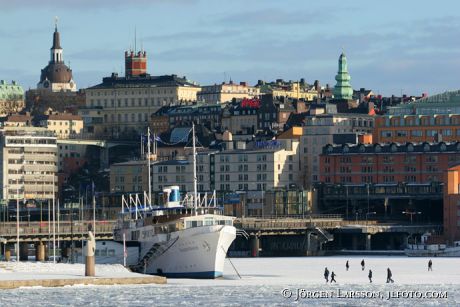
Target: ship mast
{"type": "Point", "coordinates": [195, 196]}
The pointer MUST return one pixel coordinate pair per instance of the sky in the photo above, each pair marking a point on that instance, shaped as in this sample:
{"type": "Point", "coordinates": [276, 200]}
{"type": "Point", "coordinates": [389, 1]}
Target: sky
{"type": "Point", "coordinates": [392, 47]}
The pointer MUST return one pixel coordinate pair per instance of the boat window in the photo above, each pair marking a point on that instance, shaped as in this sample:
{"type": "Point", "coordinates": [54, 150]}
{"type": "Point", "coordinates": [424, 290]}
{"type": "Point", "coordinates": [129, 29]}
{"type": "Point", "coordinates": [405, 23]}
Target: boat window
{"type": "Point", "coordinates": [208, 222]}
{"type": "Point", "coordinates": [111, 252]}
{"type": "Point", "coordinates": [221, 222]}
{"type": "Point", "coordinates": [228, 222]}
{"type": "Point", "coordinates": [194, 223]}
{"type": "Point", "coordinates": [188, 224]}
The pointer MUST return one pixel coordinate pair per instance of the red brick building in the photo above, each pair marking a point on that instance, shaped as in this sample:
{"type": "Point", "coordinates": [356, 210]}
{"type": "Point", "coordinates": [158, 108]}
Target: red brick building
{"type": "Point", "coordinates": [387, 163]}
{"type": "Point", "coordinates": [452, 205]}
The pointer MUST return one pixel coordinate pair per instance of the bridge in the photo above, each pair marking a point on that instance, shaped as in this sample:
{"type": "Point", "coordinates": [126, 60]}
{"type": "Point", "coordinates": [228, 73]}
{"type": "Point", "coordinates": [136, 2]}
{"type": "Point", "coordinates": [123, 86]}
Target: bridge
{"type": "Point", "coordinates": [32, 232]}
{"type": "Point", "coordinates": [314, 232]}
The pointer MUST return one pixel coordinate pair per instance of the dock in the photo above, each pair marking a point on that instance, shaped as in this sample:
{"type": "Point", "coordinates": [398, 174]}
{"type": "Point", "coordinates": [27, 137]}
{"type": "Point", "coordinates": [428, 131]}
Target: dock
{"type": "Point", "coordinates": [12, 284]}
{"type": "Point", "coordinates": [45, 274]}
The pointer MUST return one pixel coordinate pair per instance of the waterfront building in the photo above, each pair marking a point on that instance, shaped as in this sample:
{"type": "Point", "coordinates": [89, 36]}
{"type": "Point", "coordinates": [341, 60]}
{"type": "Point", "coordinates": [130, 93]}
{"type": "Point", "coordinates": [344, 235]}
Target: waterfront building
{"type": "Point", "coordinates": [428, 119]}
{"type": "Point", "coordinates": [29, 167]}
{"type": "Point", "coordinates": [225, 92]}
{"type": "Point", "coordinates": [11, 98]}
{"type": "Point", "coordinates": [394, 181]}
{"type": "Point", "coordinates": [259, 166]}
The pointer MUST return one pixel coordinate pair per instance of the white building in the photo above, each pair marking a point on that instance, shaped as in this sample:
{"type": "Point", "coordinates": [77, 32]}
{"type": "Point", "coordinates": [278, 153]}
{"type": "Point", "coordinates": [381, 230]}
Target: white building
{"type": "Point", "coordinates": [264, 166]}
{"type": "Point", "coordinates": [29, 163]}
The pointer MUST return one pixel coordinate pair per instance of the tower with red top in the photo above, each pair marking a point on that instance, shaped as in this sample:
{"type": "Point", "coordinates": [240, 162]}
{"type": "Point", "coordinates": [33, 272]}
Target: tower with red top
{"type": "Point", "coordinates": [135, 64]}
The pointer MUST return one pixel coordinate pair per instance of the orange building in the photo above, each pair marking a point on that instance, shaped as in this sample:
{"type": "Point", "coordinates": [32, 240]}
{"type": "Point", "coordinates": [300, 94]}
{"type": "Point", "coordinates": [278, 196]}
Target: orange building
{"type": "Point", "coordinates": [452, 204]}
{"type": "Point", "coordinates": [417, 128]}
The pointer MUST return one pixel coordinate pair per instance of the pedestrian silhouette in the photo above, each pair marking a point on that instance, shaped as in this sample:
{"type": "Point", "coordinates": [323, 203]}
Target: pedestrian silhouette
{"type": "Point", "coordinates": [333, 277]}
{"type": "Point", "coordinates": [326, 274]}
{"type": "Point", "coordinates": [347, 265]}
{"type": "Point", "coordinates": [362, 264]}
{"type": "Point", "coordinates": [370, 275]}
{"type": "Point", "coordinates": [389, 275]}
{"type": "Point", "coordinates": [430, 265]}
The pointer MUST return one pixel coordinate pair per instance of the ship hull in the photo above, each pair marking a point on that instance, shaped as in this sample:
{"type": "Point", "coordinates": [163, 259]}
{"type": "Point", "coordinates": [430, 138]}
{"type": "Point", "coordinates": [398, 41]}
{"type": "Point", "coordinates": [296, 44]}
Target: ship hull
{"type": "Point", "coordinates": [192, 253]}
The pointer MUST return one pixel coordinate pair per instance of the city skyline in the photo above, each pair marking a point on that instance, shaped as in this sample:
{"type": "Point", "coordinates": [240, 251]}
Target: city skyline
{"type": "Point", "coordinates": [393, 52]}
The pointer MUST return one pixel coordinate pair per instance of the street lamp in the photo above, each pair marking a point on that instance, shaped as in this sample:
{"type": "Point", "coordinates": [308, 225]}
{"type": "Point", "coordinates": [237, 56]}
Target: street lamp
{"type": "Point", "coordinates": [411, 213]}
{"type": "Point", "coordinates": [368, 187]}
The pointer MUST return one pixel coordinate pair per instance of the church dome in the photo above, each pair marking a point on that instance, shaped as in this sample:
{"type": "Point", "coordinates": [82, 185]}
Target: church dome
{"type": "Point", "coordinates": [56, 73]}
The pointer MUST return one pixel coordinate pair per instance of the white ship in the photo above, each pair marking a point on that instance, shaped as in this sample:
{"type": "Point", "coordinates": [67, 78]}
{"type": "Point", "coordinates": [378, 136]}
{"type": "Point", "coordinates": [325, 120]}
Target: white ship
{"type": "Point", "coordinates": [432, 250]}
{"type": "Point", "coordinates": [186, 239]}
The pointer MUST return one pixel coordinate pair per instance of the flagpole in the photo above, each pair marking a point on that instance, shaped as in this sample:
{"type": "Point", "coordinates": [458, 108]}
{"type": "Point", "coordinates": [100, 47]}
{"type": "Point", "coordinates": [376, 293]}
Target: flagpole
{"type": "Point", "coordinates": [94, 212]}
{"type": "Point", "coordinates": [148, 166]}
{"type": "Point", "coordinates": [17, 224]}
{"type": "Point", "coordinates": [54, 223]}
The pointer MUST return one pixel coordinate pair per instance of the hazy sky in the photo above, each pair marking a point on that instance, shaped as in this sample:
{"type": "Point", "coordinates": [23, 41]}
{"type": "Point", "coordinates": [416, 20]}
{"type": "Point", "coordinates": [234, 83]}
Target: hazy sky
{"type": "Point", "coordinates": [392, 46]}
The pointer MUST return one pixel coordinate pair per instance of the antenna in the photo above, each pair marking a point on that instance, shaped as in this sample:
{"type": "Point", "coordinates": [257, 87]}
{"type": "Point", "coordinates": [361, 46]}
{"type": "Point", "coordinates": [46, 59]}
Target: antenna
{"type": "Point", "coordinates": [135, 39]}
{"type": "Point", "coordinates": [56, 19]}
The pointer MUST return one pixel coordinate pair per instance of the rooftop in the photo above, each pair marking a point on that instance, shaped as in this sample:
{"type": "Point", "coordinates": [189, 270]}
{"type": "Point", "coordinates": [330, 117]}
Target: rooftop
{"type": "Point", "coordinates": [114, 81]}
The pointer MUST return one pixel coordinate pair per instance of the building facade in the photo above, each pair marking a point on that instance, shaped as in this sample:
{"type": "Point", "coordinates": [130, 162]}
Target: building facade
{"type": "Point", "coordinates": [126, 103]}
{"type": "Point", "coordinates": [225, 92]}
{"type": "Point", "coordinates": [64, 125]}
{"type": "Point", "coordinates": [129, 176]}
{"type": "Point", "coordinates": [322, 129]}
{"type": "Point", "coordinates": [428, 119]}
{"type": "Point", "coordinates": [417, 163]}
{"type": "Point", "coordinates": [29, 163]}
{"type": "Point", "coordinates": [11, 98]}
{"type": "Point", "coordinates": [263, 166]}
{"type": "Point", "coordinates": [451, 204]}
{"type": "Point", "coordinates": [293, 89]}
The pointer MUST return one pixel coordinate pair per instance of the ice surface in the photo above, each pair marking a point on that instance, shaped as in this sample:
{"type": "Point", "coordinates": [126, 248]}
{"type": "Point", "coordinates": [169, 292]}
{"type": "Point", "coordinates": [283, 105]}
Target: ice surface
{"type": "Point", "coordinates": [263, 280]}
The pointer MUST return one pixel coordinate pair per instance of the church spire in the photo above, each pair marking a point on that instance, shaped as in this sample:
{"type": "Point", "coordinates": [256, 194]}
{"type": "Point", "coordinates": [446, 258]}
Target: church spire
{"type": "Point", "coordinates": [343, 89]}
{"type": "Point", "coordinates": [56, 36]}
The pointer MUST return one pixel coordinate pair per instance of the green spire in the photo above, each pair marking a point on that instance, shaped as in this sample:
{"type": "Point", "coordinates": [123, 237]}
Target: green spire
{"type": "Point", "coordinates": [342, 89]}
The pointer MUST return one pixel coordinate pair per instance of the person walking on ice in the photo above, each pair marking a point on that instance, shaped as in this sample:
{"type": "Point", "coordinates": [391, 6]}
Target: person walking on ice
{"type": "Point", "coordinates": [389, 275]}
{"type": "Point", "coordinates": [430, 265]}
{"type": "Point", "coordinates": [333, 277]}
{"type": "Point", "coordinates": [370, 276]}
{"type": "Point", "coordinates": [326, 274]}
{"type": "Point", "coordinates": [347, 265]}
{"type": "Point", "coordinates": [362, 264]}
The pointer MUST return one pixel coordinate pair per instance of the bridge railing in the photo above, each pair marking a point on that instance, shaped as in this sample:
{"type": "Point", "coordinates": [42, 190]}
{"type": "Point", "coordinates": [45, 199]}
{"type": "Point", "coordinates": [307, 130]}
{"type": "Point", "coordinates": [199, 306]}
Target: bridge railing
{"type": "Point", "coordinates": [297, 216]}
{"type": "Point", "coordinates": [43, 229]}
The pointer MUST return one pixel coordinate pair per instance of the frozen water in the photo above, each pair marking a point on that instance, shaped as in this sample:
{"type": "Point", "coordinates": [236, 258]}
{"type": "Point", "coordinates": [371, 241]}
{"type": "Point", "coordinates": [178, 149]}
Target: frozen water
{"type": "Point", "coordinates": [262, 283]}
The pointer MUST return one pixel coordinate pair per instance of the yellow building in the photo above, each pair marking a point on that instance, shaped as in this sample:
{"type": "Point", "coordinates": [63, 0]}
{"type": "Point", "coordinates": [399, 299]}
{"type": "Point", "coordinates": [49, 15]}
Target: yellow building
{"type": "Point", "coordinates": [225, 92]}
{"type": "Point", "coordinates": [126, 103]}
{"type": "Point", "coordinates": [64, 125]}
{"type": "Point", "coordinates": [280, 88]}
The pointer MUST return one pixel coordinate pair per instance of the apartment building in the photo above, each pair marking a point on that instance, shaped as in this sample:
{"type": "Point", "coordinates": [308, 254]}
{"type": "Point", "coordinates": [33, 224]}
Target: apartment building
{"type": "Point", "coordinates": [29, 163]}
{"type": "Point", "coordinates": [131, 176]}
{"type": "Point", "coordinates": [262, 166]}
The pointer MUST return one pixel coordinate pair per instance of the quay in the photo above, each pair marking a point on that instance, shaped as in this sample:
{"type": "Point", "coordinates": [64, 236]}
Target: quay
{"type": "Point", "coordinates": [47, 274]}
{"type": "Point", "coordinates": [61, 282]}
